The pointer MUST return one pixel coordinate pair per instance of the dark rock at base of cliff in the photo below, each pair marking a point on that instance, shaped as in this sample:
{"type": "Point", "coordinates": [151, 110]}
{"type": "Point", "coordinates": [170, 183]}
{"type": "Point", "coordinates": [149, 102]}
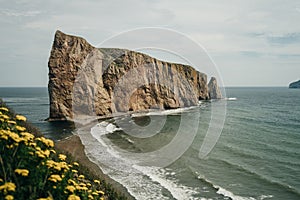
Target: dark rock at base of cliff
{"type": "Point", "coordinates": [295, 85]}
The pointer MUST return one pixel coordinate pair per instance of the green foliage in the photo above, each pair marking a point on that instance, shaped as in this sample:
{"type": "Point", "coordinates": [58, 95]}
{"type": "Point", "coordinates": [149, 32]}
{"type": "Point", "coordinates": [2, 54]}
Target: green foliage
{"type": "Point", "coordinates": [30, 167]}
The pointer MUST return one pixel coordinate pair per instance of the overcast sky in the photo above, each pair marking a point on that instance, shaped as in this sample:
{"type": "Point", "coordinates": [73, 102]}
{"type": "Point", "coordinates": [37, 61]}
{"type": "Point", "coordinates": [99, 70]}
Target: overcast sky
{"type": "Point", "coordinates": [253, 43]}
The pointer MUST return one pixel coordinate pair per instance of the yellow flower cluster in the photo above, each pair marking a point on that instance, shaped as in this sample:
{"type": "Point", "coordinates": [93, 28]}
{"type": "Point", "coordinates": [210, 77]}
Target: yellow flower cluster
{"type": "Point", "coordinates": [74, 186]}
{"type": "Point", "coordinates": [48, 198]}
{"type": "Point", "coordinates": [57, 165]}
{"type": "Point", "coordinates": [22, 172]}
{"type": "Point", "coordinates": [55, 178]}
{"type": "Point", "coordinates": [47, 142]}
{"type": "Point", "coordinates": [62, 157]}
{"type": "Point", "coordinates": [9, 186]}
{"type": "Point", "coordinates": [20, 118]}
{"type": "Point", "coordinates": [4, 109]}
{"type": "Point", "coordinates": [9, 197]}
{"type": "Point", "coordinates": [20, 128]}
{"type": "Point", "coordinates": [38, 153]}
{"type": "Point", "coordinates": [73, 197]}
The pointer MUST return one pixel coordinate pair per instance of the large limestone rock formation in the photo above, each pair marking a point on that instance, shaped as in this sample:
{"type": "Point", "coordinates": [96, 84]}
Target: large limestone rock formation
{"type": "Point", "coordinates": [84, 80]}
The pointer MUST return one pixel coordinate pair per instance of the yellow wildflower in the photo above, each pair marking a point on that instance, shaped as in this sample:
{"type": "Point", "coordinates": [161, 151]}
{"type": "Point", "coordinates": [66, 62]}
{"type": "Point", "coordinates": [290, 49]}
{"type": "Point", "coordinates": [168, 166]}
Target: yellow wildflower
{"type": "Point", "coordinates": [50, 163]}
{"type": "Point", "coordinates": [20, 128]}
{"type": "Point", "coordinates": [78, 187]}
{"type": "Point", "coordinates": [9, 186]}
{"type": "Point", "coordinates": [90, 197]}
{"type": "Point", "coordinates": [9, 197]}
{"type": "Point", "coordinates": [4, 117]}
{"type": "Point", "coordinates": [11, 122]}
{"type": "Point", "coordinates": [57, 165]}
{"type": "Point", "coordinates": [27, 136]}
{"type": "Point", "coordinates": [81, 176]}
{"type": "Point", "coordinates": [55, 178]}
{"type": "Point", "coordinates": [82, 184]}
{"type": "Point", "coordinates": [74, 171]}
{"type": "Point", "coordinates": [48, 198]}
{"type": "Point", "coordinates": [10, 146]}
{"type": "Point", "coordinates": [4, 109]}
{"type": "Point", "coordinates": [52, 151]}
{"type": "Point", "coordinates": [1, 180]}
{"type": "Point", "coordinates": [20, 118]}
{"type": "Point", "coordinates": [62, 157]}
{"type": "Point", "coordinates": [100, 192]}
{"type": "Point", "coordinates": [43, 154]}
{"type": "Point", "coordinates": [97, 181]}
{"type": "Point", "coordinates": [5, 137]}
{"type": "Point", "coordinates": [47, 142]}
{"type": "Point", "coordinates": [40, 154]}
{"type": "Point", "coordinates": [22, 172]}
{"type": "Point", "coordinates": [71, 188]}
{"type": "Point", "coordinates": [46, 153]}
{"type": "Point", "coordinates": [95, 194]}
{"type": "Point", "coordinates": [84, 188]}
{"type": "Point", "coordinates": [32, 144]}
{"type": "Point", "coordinates": [76, 164]}
{"type": "Point", "coordinates": [88, 184]}
{"type": "Point", "coordinates": [70, 181]}
{"type": "Point", "coordinates": [73, 197]}
{"type": "Point", "coordinates": [14, 136]}
{"type": "Point", "coordinates": [38, 148]}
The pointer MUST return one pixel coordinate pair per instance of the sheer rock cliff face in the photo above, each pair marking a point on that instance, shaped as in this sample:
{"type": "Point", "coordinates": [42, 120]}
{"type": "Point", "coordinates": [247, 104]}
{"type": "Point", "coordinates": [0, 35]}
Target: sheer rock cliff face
{"type": "Point", "coordinates": [84, 80]}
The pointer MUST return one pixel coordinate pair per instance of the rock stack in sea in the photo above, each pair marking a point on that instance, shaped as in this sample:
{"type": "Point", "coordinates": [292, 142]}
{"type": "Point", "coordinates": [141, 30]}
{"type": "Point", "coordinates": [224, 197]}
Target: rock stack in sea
{"type": "Point", "coordinates": [295, 84]}
{"type": "Point", "coordinates": [85, 80]}
{"type": "Point", "coordinates": [214, 91]}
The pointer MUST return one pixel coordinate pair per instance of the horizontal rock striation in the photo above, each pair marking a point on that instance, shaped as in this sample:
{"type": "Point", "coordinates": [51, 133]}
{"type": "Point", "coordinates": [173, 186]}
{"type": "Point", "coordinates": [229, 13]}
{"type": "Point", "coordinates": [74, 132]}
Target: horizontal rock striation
{"type": "Point", "coordinates": [84, 80]}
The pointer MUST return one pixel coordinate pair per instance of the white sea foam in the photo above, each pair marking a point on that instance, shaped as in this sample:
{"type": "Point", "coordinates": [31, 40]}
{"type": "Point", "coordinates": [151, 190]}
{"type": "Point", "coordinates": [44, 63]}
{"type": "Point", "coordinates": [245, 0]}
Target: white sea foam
{"type": "Point", "coordinates": [141, 182]}
{"type": "Point", "coordinates": [178, 191]}
{"type": "Point", "coordinates": [231, 99]}
{"type": "Point", "coordinates": [262, 197]}
{"type": "Point", "coordinates": [229, 194]}
{"type": "Point", "coordinates": [162, 112]}
{"type": "Point", "coordinates": [223, 191]}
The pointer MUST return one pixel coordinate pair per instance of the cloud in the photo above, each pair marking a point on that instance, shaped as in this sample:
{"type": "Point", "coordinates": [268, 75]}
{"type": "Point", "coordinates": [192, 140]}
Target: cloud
{"type": "Point", "coordinates": [16, 13]}
{"type": "Point", "coordinates": [238, 34]}
{"type": "Point", "coordinates": [284, 39]}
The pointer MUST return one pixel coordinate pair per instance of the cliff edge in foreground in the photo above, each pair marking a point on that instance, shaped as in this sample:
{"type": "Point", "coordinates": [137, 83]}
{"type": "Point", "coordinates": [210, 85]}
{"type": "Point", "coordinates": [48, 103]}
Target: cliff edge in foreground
{"type": "Point", "coordinates": [84, 80]}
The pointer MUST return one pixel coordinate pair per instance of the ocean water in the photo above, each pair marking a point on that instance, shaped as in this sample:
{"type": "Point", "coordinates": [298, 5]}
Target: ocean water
{"type": "Point", "coordinates": [34, 104]}
{"type": "Point", "coordinates": [256, 157]}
